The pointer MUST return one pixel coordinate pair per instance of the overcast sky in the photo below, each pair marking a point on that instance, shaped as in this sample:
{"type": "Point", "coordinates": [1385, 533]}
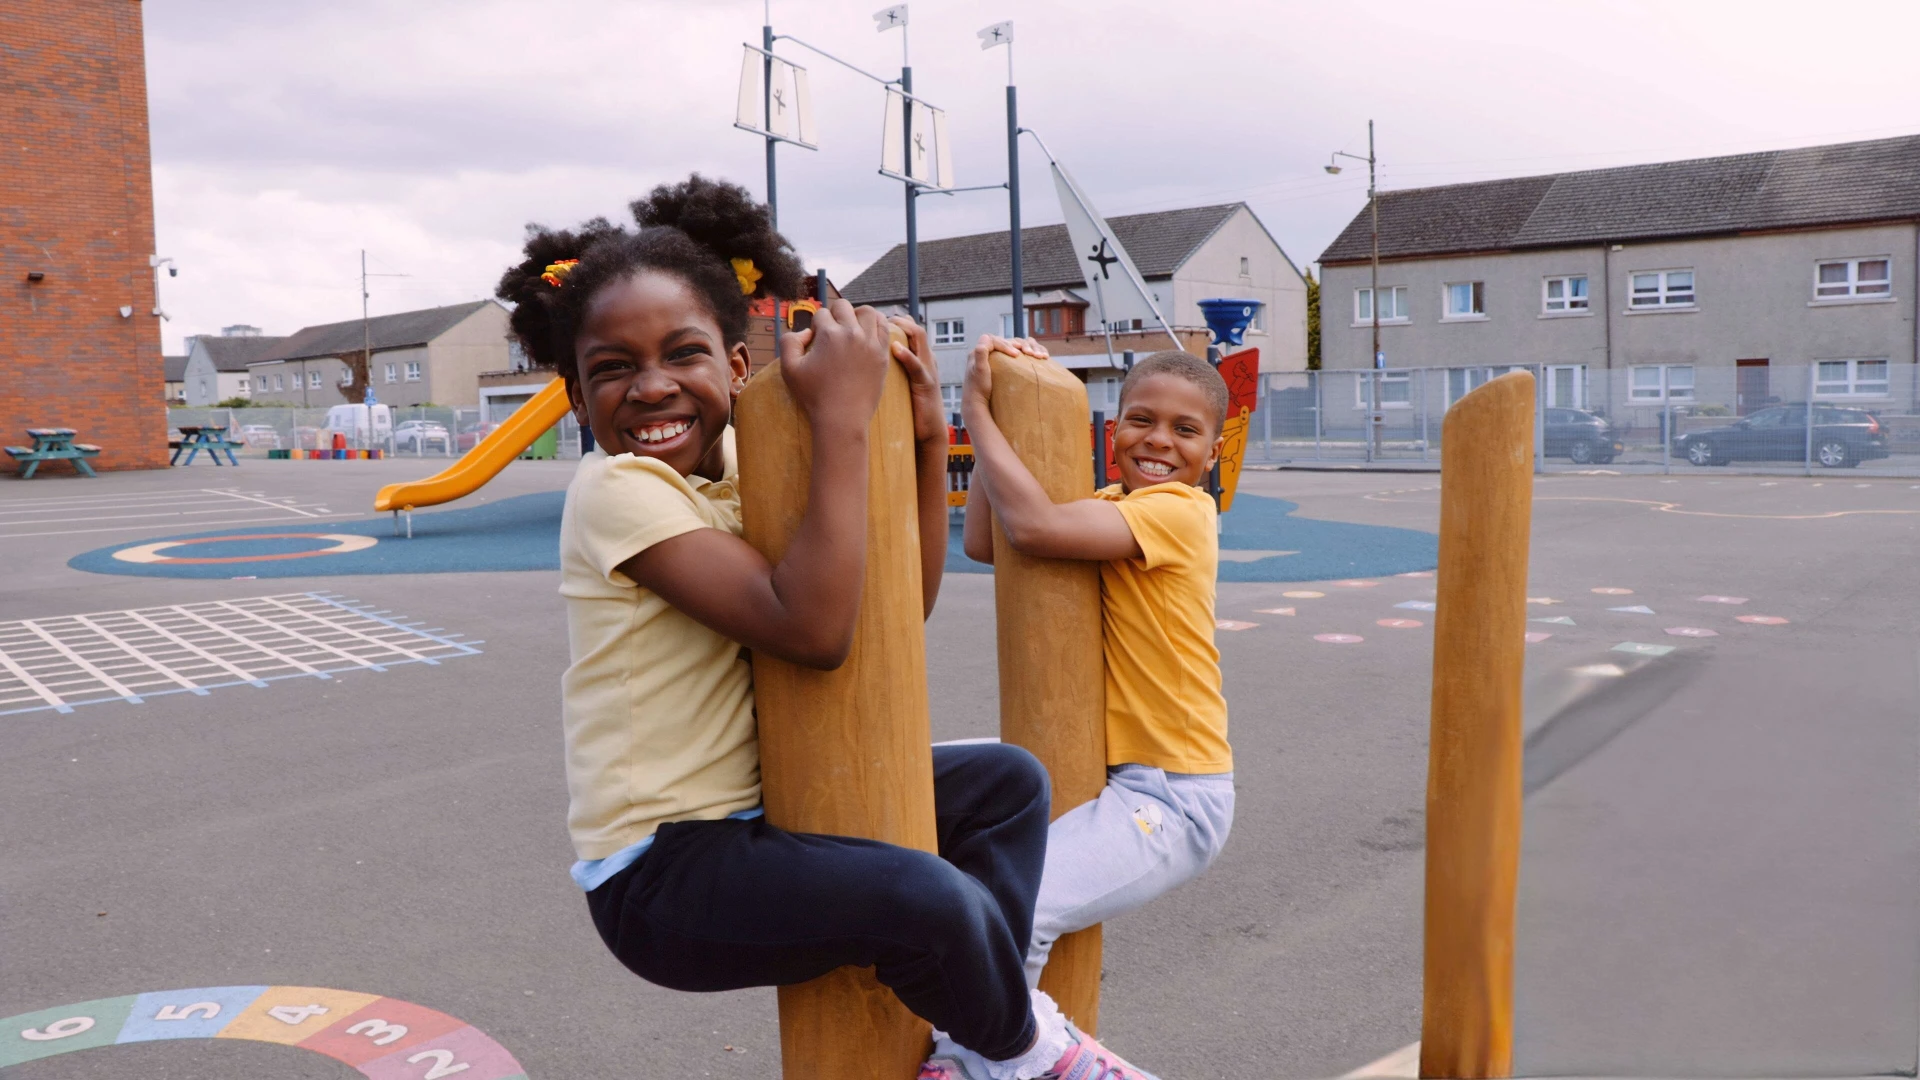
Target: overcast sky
{"type": "Point", "coordinates": [287, 137]}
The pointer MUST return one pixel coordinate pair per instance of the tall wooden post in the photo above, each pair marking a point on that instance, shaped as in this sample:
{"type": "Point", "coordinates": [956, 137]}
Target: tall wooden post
{"type": "Point", "coordinates": [848, 751]}
{"type": "Point", "coordinates": [1052, 671]}
{"type": "Point", "coordinates": [1473, 772]}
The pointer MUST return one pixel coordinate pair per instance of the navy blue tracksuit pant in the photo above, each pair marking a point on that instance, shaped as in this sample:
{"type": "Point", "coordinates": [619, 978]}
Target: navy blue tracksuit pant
{"type": "Point", "coordinates": [723, 905]}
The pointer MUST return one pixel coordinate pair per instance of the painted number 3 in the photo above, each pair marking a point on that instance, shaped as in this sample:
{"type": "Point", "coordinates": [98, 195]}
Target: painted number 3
{"type": "Point", "coordinates": [443, 1063]}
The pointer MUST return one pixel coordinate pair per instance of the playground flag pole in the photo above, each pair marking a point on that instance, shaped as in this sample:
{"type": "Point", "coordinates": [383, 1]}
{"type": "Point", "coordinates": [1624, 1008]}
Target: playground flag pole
{"type": "Point", "coordinates": [1001, 33]}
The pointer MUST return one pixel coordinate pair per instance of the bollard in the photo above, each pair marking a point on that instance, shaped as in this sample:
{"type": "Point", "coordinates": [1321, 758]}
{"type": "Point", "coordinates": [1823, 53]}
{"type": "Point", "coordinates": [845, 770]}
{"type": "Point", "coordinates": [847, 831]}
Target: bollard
{"type": "Point", "coordinates": [1053, 696]}
{"type": "Point", "coordinates": [848, 751]}
{"type": "Point", "coordinates": [1474, 759]}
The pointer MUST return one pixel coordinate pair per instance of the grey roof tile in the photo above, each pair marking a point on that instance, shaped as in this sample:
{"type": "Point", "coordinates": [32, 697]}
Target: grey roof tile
{"type": "Point", "coordinates": [175, 368]}
{"type": "Point", "coordinates": [1158, 243]}
{"type": "Point", "coordinates": [235, 353]}
{"type": "Point", "coordinates": [1778, 189]}
{"type": "Point", "coordinates": [400, 331]}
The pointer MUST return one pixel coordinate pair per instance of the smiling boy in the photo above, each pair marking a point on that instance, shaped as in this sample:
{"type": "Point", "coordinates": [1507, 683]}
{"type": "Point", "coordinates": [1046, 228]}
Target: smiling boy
{"type": "Point", "coordinates": [1168, 803]}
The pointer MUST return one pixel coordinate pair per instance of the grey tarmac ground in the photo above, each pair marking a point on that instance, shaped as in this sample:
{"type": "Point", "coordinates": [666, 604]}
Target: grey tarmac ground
{"type": "Point", "coordinates": [1720, 879]}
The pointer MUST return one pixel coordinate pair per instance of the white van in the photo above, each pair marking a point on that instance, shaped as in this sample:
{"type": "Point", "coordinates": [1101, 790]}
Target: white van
{"type": "Point", "coordinates": [364, 426]}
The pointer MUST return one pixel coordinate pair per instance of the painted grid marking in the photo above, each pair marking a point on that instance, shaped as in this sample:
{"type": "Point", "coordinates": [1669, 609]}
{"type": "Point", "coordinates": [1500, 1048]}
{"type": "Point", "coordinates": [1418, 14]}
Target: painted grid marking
{"type": "Point", "coordinates": [204, 507]}
{"type": "Point", "coordinates": [68, 660]}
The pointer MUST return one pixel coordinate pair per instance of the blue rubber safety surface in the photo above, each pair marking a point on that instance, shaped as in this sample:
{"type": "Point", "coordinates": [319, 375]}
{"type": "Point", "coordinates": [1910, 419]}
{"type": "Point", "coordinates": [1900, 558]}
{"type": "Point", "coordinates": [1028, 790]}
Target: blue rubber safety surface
{"type": "Point", "coordinates": [1303, 549]}
{"type": "Point", "coordinates": [522, 533]}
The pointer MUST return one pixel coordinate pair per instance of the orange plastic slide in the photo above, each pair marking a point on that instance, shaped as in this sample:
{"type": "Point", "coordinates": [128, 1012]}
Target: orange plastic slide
{"type": "Point", "coordinates": [483, 462]}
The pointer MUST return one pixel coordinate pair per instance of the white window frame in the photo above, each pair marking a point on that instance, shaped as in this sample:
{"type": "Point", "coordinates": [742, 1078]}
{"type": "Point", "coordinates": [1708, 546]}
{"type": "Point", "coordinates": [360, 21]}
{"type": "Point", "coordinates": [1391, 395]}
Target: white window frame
{"type": "Point", "coordinates": [243, 385]}
{"type": "Point", "coordinates": [393, 373]}
{"type": "Point", "coordinates": [1669, 388]}
{"type": "Point", "coordinates": [1663, 298]}
{"type": "Point", "coordinates": [1569, 304]}
{"type": "Point", "coordinates": [950, 398]}
{"type": "Point", "coordinates": [1246, 267]}
{"type": "Point", "coordinates": [950, 331]}
{"type": "Point", "coordinates": [1852, 386]}
{"type": "Point", "coordinates": [1253, 324]}
{"type": "Point", "coordinates": [413, 371]}
{"type": "Point", "coordinates": [346, 376]}
{"type": "Point", "coordinates": [1855, 288]}
{"type": "Point", "coordinates": [1389, 381]}
{"type": "Point", "coordinates": [1476, 298]}
{"type": "Point", "coordinates": [1397, 293]}
{"type": "Point", "coordinates": [313, 379]}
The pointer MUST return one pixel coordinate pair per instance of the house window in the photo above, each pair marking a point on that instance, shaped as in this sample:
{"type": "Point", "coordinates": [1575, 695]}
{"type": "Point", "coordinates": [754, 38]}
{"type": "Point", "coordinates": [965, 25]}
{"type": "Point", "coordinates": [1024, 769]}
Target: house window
{"type": "Point", "coordinates": [1393, 304]}
{"type": "Point", "coordinates": [413, 371]}
{"type": "Point", "coordinates": [950, 397]}
{"type": "Point", "coordinates": [243, 384]}
{"type": "Point", "coordinates": [1466, 300]}
{"type": "Point", "coordinates": [1662, 382]}
{"type": "Point", "coordinates": [1253, 324]}
{"type": "Point", "coordinates": [1850, 378]}
{"type": "Point", "coordinates": [1246, 266]}
{"type": "Point", "coordinates": [1662, 288]}
{"type": "Point", "coordinates": [1845, 279]}
{"type": "Point", "coordinates": [346, 376]}
{"type": "Point", "coordinates": [313, 379]}
{"type": "Point", "coordinates": [1563, 294]}
{"type": "Point", "coordinates": [1006, 325]}
{"type": "Point", "coordinates": [1054, 320]}
{"type": "Point", "coordinates": [392, 375]}
{"type": "Point", "coordinates": [1396, 389]}
{"type": "Point", "coordinates": [949, 331]}
{"type": "Point", "coordinates": [276, 383]}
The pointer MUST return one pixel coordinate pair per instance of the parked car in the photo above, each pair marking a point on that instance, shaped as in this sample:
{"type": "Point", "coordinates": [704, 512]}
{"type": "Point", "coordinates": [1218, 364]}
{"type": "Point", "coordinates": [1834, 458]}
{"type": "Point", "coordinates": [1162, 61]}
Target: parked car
{"type": "Point", "coordinates": [472, 436]}
{"type": "Point", "coordinates": [415, 435]}
{"type": "Point", "coordinates": [1842, 438]}
{"type": "Point", "coordinates": [1581, 437]}
{"type": "Point", "coordinates": [260, 436]}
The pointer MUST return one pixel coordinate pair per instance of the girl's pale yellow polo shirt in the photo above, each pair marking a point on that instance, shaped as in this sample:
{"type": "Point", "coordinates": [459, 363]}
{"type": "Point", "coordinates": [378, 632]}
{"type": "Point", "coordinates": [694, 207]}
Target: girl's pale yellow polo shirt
{"type": "Point", "coordinates": [658, 709]}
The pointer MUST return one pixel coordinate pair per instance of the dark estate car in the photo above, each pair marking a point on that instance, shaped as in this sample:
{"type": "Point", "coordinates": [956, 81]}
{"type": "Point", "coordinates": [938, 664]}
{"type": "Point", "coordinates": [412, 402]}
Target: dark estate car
{"type": "Point", "coordinates": [1841, 437]}
{"type": "Point", "coordinates": [1580, 436]}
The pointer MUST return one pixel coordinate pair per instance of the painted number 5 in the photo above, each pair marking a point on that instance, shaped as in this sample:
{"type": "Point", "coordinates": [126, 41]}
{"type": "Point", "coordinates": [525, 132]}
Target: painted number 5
{"type": "Point", "coordinates": [59, 1029]}
{"type": "Point", "coordinates": [443, 1063]}
{"type": "Point", "coordinates": [207, 1009]}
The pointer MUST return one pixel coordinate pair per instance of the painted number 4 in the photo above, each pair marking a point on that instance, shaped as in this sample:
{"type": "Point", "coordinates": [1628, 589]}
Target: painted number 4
{"type": "Point", "coordinates": [291, 1015]}
{"type": "Point", "coordinates": [443, 1063]}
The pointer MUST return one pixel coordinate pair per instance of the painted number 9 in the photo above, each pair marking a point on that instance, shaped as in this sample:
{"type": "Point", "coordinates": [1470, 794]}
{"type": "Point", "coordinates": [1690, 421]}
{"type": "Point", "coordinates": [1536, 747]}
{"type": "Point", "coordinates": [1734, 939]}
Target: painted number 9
{"type": "Point", "coordinates": [59, 1029]}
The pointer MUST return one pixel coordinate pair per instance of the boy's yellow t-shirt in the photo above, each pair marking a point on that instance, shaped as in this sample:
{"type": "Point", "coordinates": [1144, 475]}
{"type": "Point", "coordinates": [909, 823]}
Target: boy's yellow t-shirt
{"type": "Point", "coordinates": [657, 708]}
{"type": "Point", "coordinates": [1164, 706]}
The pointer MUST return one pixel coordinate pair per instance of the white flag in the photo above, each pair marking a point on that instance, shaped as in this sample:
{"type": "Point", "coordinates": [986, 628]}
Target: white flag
{"type": "Point", "coordinates": [1119, 294]}
{"type": "Point", "coordinates": [1000, 33]}
{"type": "Point", "coordinates": [888, 18]}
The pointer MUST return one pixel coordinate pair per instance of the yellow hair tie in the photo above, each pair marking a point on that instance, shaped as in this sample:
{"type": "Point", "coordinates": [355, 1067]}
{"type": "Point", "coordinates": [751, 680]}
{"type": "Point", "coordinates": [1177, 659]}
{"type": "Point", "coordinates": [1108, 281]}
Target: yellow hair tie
{"type": "Point", "coordinates": [557, 272]}
{"type": "Point", "coordinates": [749, 277]}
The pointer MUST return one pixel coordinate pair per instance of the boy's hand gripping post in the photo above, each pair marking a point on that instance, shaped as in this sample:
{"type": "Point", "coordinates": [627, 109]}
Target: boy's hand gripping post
{"type": "Point", "coordinates": [1052, 672]}
{"type": "Point", "coordinates": [847, 751]}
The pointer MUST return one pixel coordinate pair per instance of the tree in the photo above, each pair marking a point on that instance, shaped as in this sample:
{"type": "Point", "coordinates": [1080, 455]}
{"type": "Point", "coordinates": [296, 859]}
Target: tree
{"type": "Point", "coordinates": [1313, 322]}
{"type": "Point", "coordinates": [360, 373]}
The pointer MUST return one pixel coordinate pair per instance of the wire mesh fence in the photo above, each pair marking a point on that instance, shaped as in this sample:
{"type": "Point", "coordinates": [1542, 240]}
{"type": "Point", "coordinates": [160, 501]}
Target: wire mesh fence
{"type": "Point", "coordinates": [424, 431]}
{"type": "Point", "coordinates": [1754, 417]}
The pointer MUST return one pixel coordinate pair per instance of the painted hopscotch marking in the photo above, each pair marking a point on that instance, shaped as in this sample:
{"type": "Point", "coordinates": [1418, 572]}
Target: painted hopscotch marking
{"type": "Point", "coordinates": [60, 662]}
{"type": "Point", "coordinates": [380, 1037]}
{"type": "Point", "coordinates": [65, 515]}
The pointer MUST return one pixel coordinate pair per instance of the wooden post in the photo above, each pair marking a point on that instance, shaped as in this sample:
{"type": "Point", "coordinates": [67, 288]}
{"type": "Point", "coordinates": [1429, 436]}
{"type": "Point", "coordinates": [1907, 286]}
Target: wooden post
{"type": "Point", "coordinates": [846, 752]}
{"type": "Point", "coordinates": [1053, 698]}
{"type": "Point", "coordinates": [1473, 772]}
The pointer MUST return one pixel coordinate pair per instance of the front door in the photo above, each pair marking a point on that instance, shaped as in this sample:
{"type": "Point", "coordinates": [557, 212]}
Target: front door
{"type": "Point", "coordinates": [1567, 386]}
{"type": "Point", "coordinates": [1751, 391]}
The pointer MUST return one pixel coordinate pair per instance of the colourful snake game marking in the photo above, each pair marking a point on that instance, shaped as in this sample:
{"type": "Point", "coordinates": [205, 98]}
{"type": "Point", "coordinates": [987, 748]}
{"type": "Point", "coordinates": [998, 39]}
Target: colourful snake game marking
{"type": "Point", "coordinates": [383, 1038]}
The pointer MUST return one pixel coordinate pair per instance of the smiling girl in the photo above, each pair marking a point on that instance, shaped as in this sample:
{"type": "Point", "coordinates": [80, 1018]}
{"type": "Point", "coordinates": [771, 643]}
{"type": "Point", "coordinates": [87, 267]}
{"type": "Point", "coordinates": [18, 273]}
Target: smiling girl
{"type": "Point", "coordinates": [687, 883]}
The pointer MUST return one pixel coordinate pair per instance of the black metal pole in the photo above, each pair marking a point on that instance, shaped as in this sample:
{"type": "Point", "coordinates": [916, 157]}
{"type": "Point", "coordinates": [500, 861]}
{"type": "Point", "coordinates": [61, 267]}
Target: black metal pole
{"type": "Point", "coordinates": [1019, 325]}
{"type": "Point", "coordinates": [1214, 355]}
{"type": "Point", "coordinates": [820, 285]}
{"type": "Point", "coordinates": [773, 202]}
{"type": "Point", "coordinates": [913, 191]}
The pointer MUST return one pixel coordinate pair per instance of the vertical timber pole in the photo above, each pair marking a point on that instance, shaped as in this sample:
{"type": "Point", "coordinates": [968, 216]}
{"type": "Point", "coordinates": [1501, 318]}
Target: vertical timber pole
{"type": "Point", "coordinates": [1053, 698]}
{"type": "Point", "coordinates": [848, 751]}
{"type": "Point", "coordinates": [1473, 771]}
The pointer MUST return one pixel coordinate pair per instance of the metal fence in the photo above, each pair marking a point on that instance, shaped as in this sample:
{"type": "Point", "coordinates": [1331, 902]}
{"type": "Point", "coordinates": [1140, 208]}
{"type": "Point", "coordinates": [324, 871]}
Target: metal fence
{"type": "Point", "coordinates": [1864, 414]}
{"type": "Point", "coordinates": [426, 431]}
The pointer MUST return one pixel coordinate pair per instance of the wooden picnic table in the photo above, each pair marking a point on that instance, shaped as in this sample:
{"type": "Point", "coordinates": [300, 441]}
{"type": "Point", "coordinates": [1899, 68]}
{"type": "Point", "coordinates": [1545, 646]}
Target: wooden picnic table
{"type": "Point", "coordinates": [53, 444]}
{"type": "Point", "coordinates": [195, 438]}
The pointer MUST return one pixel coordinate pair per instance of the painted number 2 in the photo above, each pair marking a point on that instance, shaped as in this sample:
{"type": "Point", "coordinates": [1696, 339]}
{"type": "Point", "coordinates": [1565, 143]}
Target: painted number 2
{"type": "Point", "coordinates": [443, 1063]}
{"type": "Point", "coordinates": [208, 1009]}
{"type": "Point", "coordinates": [59, 1029]}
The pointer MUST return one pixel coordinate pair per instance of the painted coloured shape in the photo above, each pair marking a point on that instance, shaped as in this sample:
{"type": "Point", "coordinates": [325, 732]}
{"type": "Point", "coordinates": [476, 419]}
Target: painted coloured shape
{"type": "Point", "coordinates": [464, 1052]}
{"type": "Point", "coordinates": [1609, 590]}
{"type": "Point", "coordinates": [1233, 624]}
{"type": "Point", "coordinates": [1537, 636]}
{"type": "Point", "coordinates": [1633, 609]}
{"type": "Point", "coordinates": [1692, 631]}
{"type": "Point", "coordinates": [1762, 620]}
{"type": "Point", "coordinates": [1556, 620]}
{"type": "Point", "coordinates": [381, 1028]}
{"type": "Point", "coordinates": [35, 1035]}
{"type": "Point", "coordinates": [1356, 584]}
{"type": "Point", "coordinates": [1721, 599]}
{"type": "Point", "coordinates": [289, 1014]}
{"type": "Point", "coordinates": [1641, 648]}
{"type": "Point", "coordinates": [1399, 624]}
{"type": "Point", "coordinates": [1339, 639]}
{"type": "Point", "coordinates": [1303, 594]}
{"type": "Point", "coordinates": [1416, 605]}
{"type": "Point", "coordinates": [1274, 610]}
{"type": "Point", "coordinates": [187, 1014]}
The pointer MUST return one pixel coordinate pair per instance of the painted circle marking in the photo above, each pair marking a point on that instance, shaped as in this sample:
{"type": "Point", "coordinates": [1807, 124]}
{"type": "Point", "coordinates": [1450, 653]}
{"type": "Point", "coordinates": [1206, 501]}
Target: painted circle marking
{"type": "Point", "coordinates": [153, 553]}
{"type": "Point", "coordinates": [1399, 624]}
{"type": "Point", "coordinates": [1303, 594]}
{"type": "Point", "coordinates": [1233, 624]}
{"type": "Point", "coordinates": [1762, 620]}
{"type": "Point", "coordinates": [1609, 590]}
{"type": "Point", "coordinates": [1356, 583]}
{"type": "Point", "coordinates": [1692, 631]}
{"type": "Point", "coordinates": [1339, 639]}
{"type": "Point", "coordinates": [1416, 573]}
{"type": "Point", "coordinates": [1274, 610]}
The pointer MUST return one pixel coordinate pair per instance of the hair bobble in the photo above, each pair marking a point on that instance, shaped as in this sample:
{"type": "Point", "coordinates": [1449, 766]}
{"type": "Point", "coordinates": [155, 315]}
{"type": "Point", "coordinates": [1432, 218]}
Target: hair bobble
{"type": "Point", "coordinates": [557, 272]}
{"type": "Point", "coordinates": [749, 277]}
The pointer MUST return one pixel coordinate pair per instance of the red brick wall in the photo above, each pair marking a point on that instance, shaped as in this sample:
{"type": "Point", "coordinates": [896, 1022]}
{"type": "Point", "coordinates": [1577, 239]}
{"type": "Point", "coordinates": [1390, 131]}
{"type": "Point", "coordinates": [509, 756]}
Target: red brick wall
{"type": "Point", "coordinates": [76, 203]}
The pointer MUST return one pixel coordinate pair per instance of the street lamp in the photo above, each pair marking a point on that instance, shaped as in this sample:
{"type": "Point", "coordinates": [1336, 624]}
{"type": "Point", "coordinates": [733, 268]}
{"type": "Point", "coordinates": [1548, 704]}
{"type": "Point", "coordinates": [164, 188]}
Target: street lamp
{"type": "Point", "coordinates": [1373, 294]}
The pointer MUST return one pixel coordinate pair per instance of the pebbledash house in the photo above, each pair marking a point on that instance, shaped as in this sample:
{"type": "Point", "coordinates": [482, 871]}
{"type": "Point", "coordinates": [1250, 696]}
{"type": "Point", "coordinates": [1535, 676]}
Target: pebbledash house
{"type": "Point", "coordinates": [1715, 286]}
